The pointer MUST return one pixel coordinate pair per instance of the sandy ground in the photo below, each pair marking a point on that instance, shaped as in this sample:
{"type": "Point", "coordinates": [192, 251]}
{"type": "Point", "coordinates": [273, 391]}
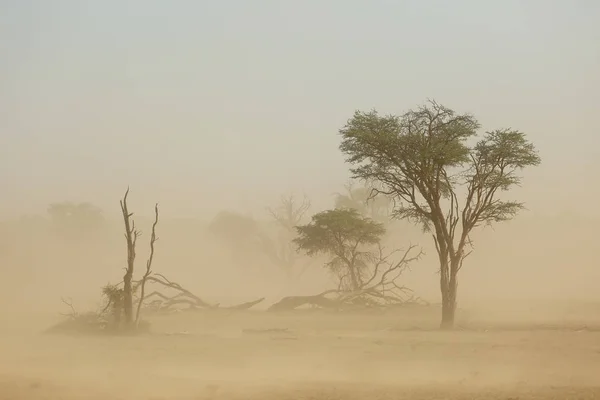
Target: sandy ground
{"type": "Point", "coordinates": [305, 355]}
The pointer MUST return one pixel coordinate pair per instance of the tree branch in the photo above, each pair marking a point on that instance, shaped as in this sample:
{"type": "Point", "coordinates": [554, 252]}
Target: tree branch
{"type": "Point", "coordinates": [153, 240]}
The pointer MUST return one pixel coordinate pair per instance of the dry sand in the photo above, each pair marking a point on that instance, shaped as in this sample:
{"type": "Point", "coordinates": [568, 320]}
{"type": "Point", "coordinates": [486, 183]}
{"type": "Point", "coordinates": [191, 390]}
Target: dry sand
{"type": "Point", "coordinates": [305, 355]}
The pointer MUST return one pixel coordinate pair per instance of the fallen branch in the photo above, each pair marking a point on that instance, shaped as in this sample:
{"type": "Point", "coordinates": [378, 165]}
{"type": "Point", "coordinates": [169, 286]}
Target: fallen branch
{"type": "Point", "coordinates": [245, 306]}
{"type": "Point", "coordinates": [69, 303]}
{"type": "Point", "coordinates": [292, 302]}
{"type": "Point", "coordinates": [162, 280]}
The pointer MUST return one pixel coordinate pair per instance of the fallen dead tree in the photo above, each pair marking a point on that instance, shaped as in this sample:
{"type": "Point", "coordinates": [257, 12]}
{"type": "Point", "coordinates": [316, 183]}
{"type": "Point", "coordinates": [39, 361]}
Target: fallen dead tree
{"type": "Point", "coordinates": [103, 320]}
{"type": "Point", "coordinates": [158, 301]}
{"type": "Point", "coordinates": [380, 290]}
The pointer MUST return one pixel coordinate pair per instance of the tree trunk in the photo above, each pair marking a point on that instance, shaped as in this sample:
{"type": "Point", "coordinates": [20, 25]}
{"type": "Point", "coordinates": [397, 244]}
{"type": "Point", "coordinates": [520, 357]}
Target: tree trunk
{"type": "Point", "coordinates": [117, 308]}
{"type": "Point", "coordinates": [448, 311]}
{"type": "Point", "coordinates": [128, 299]}
{"type": "Point", "coordinates": [449, 286]}
{"type": "Point", "coordinates": [131, 235]}
{"type": "Point", "coordinates": [354, 278]}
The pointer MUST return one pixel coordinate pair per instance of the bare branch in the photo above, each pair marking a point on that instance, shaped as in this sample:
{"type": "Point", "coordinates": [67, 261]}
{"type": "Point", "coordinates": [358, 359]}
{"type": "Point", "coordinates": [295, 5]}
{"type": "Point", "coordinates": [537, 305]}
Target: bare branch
{"type": "Point", "coordinates": [69, 302]}
{"type": "Point", "coordinates": [131, 235]}
{"type": "Point", "coordinates": [287, 215]}
{"type": "Point", "coordinates": [153, 240]}
{"type": "Point", "coordinates": [162, 280]}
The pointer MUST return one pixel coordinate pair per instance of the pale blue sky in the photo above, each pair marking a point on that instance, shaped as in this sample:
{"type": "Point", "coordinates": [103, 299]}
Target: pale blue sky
{"type": "Point", "coordinates": [204, 105]}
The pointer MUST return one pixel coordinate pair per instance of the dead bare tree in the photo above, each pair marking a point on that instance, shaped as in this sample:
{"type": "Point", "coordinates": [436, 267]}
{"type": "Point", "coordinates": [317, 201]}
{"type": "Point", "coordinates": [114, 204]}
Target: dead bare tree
{"type": "Point", "coordinates": [120, 297]}
{"type": "Point", "coordinates": [153, 240]}
{"type": "Point", "coordinates": [287, 215]}
{"type": "Point", "coordinates": [290, 212]}
{"type": "Point", "coordinates": [131, 235]}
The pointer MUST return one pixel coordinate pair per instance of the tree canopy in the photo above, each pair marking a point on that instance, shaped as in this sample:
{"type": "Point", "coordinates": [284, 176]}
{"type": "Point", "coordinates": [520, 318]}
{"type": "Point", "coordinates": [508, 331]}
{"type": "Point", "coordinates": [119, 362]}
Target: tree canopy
{"type": "Point", "coordinates": [344, 235]}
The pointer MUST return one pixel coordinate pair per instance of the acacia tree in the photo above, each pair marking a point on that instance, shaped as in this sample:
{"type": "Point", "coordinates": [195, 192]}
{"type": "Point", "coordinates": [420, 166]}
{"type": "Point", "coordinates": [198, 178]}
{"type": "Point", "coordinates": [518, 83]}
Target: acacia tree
{"type": "Point", "coordinates": [346, 236]}
{"type": "Point", "coordinates": [366, 276]}
{"type": "Point", "coordinates": [424, 161]}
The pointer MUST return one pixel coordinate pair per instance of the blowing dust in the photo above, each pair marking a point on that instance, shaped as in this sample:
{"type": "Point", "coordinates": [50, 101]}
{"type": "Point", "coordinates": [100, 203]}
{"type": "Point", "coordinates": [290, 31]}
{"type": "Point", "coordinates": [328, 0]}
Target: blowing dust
{"type": "Point", "coordinates": [243, 120]}
{"type": "Point", "coordinates": [527, 323]}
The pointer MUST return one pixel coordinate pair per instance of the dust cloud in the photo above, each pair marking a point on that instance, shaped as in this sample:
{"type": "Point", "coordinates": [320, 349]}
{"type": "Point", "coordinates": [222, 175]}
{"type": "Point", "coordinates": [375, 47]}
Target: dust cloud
{"type": "Point", "coordinates": [207, 107]}
{"type": "Point", "coordinates": [528, 320]}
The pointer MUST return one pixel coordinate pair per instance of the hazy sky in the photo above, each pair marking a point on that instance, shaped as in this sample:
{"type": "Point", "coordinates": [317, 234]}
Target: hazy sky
{"type": "Point", "coordinates": [204, 105]}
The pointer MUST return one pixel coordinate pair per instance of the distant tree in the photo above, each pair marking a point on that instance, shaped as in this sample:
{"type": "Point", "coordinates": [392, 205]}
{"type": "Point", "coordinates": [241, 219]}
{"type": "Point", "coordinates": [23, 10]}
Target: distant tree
{"type": "Point", "coordinates": [348, 238]}
{"type": "Point", "coordinates": [363, 199]}
{"type": "Point", "coordinates": [288, 214]}
{"type": "Point", "coordinates": [235, 230]}
{"type": "Point", "coordinates": [437, 179]}
{"type": "Point", "coordinates": [75, 220]}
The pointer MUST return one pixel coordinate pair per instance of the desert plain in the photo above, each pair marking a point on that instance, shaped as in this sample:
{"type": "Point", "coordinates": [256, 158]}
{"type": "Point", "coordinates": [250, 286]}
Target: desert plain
{"type": "Point", "coordinates": [311, 354]}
